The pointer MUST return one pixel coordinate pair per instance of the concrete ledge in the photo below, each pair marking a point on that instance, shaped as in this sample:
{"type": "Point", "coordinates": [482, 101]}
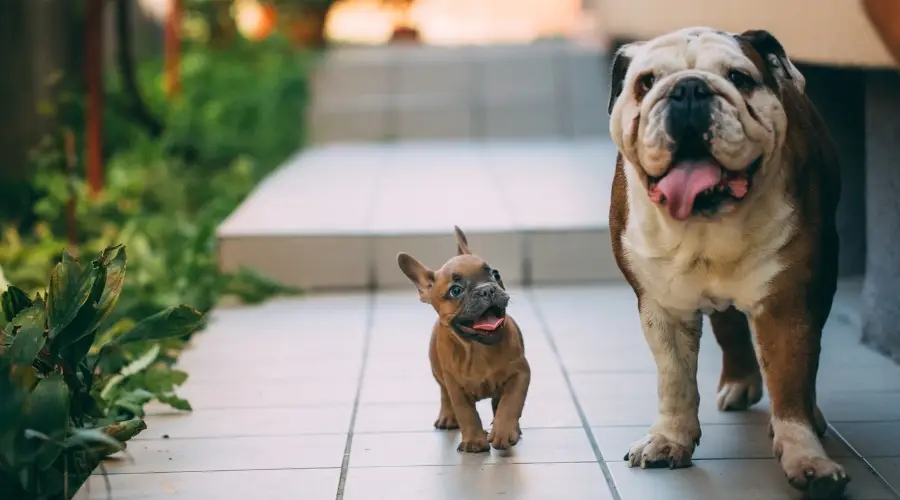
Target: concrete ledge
{"type": "Point", "coordinates": [335, 217]}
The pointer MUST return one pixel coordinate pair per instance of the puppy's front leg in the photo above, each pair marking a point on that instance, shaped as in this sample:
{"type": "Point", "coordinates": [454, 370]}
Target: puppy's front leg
{"type": "Point", "coordinates": [506, 432]}
{"type": "Point", "coordinates": [674, 339]}
{"type": "Point", "coordinates": [474, 438]}
{"type": "Point", "coordinates": [789, 344]}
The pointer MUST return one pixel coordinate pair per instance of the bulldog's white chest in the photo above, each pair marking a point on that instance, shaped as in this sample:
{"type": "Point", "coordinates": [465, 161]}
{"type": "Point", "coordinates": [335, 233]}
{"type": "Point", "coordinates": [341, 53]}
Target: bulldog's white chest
{"type": "Point", "coordinates": [704, 266]}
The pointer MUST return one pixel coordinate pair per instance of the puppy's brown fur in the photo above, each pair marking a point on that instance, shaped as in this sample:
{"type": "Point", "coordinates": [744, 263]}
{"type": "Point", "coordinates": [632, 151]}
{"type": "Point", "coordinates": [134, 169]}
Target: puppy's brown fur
{"type": "Point", "coordinates": [466, 369]}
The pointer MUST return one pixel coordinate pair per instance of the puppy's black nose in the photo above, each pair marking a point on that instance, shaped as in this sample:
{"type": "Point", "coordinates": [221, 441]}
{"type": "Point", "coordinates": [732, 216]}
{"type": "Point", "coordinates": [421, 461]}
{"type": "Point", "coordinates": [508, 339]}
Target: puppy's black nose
{"type": "Point", "coordinates": [485, 292]}
{"type": "Point", "coordinates": [690, 89]}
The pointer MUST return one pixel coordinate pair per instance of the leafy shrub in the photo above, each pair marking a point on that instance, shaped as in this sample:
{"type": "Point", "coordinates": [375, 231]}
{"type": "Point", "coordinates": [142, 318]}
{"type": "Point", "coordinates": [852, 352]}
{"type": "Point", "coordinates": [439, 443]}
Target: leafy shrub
{"type": "Point", "coordinates": [66, 394]}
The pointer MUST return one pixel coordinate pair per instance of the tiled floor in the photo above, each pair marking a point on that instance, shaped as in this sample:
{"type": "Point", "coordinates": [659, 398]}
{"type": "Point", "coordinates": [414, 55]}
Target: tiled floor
{"type": "Point", "coordinates": [330, 397]}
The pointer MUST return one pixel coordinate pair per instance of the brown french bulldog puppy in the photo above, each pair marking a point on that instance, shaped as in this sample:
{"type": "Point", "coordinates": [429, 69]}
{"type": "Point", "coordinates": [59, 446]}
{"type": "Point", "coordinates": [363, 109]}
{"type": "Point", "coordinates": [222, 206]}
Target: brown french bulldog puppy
{"type": "Point", "coordinates": [477, 351]}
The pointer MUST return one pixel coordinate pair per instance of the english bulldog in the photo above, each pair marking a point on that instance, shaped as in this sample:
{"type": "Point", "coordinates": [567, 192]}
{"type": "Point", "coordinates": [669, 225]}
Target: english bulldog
{"type": "Point", "coordinates": [723, 203]}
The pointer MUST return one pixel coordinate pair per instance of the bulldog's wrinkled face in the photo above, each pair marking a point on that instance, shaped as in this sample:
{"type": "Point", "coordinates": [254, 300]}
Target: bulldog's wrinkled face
{"type": "Point", "coordinates": [467, 293]}
{"type": "Point", "coordinates": [698, 114]}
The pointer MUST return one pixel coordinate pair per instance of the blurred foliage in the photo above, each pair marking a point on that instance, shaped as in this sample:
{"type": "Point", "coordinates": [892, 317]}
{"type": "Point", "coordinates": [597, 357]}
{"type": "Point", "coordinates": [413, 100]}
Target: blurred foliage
{"type": "Point", "coordinates": [73, 385]}
{"type": "Point", "coordinates": [239, 115]}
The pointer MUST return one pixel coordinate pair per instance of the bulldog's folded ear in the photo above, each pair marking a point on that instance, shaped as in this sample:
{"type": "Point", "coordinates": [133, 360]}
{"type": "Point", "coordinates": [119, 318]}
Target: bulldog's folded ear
{"type": "Point", "coordinates": [462, 244]}
{"type": "Point", "coordinates": [420, 275]}
{"type": "Point", "coordinates": [774, 57]}
{"type": "Point", "coordinates": [621, 61]}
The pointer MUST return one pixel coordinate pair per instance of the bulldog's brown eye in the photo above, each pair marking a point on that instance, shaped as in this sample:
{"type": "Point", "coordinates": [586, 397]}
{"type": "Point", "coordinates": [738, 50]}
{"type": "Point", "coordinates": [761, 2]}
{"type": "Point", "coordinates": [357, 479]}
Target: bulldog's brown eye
{"type": "Point", "coordinates": [741, 80]}
{"type": "Point", "coordinates": [646, 81]}
{"type": "Point", "coordinates": [455, 291]}
{"type": "Point", "coordinates": [495, 274]}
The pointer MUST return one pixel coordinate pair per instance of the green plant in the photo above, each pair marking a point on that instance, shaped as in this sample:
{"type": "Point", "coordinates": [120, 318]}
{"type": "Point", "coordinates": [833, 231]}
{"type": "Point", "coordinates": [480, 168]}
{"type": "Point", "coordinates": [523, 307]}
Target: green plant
{"type": "Point", "coordinates": [68, 396]}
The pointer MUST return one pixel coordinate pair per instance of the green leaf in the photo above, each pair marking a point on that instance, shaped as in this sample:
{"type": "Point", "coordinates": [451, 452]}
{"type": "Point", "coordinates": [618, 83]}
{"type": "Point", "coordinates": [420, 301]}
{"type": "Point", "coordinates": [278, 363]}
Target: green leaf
{"type": "Point", "coordinates": [80, 332]}
{"type": "Point", "coordinates": [47, 412]}
{"type": "Point", "coordinates": [113, 259]}
{"type": "Point", "coordinates": [29, 338]}
{"type": "Point", "coordinates": [93, 437]}
{"type": "Point", "coordinates": [70, 289]}
{"type": "Point", "coordinates": [13, 302]}
{"type": "Point", "coordinates": [138, 365]}
{"type": "Point", "coordinates": [174, 322]}
{"type": "Point", "coordinates": [175, 402]}
{"type": "Point", "coordinates": [124, 431]}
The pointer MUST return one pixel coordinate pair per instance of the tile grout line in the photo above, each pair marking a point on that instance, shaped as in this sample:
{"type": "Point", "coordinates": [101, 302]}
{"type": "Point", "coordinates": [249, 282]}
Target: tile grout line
{"type": "Point", "coordinates": [345, 464]}
{"type": "Point", "coordinates": [865, 461]}
{"type": "Point", "coordinates": [545, 328]}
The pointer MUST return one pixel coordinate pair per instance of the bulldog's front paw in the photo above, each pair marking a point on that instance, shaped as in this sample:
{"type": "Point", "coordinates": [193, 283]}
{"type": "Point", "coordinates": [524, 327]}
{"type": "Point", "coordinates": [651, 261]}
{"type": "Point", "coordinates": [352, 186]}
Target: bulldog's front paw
{"type": "Point", "coordinates": [739, 395]}
{"type": "Point", "coordinates": [656, 450]}
{"type": "Point", "coordinates": [446, 420]}
{"type": "Point", "coordinates": [819, 477]}
{"type": "Point", "coordinates": [476, 445]}
{"type": "Point", "coordinates": [502, 437]}
{"type": "Point", "coordinates": [805, 463]}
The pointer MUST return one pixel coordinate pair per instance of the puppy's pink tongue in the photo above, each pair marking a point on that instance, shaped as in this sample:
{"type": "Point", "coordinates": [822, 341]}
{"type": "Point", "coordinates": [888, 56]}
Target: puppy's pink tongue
{"type": "Point", "coordinates": [488, 323]}
{"type": "Point", "coordinates": [684, 182]}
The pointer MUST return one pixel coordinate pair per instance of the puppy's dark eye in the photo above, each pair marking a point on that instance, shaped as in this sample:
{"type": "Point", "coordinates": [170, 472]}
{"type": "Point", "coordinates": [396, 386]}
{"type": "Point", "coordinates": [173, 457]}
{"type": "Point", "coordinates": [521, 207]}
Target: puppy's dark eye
{"type": "Point", "coordinates": [645, 82]}
{"type": "Point", "coordinates": [495, 274]}
{"type": "Point", "coordinates": [741, 80]}
{"type": "Point", "coordinates": [455, 291]}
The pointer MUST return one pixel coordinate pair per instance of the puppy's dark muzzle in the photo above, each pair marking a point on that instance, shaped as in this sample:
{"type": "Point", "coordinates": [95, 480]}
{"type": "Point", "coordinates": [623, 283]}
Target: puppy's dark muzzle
{"type": "Point", "coordinates": [483, 297]}
{"type": "Point", "coordinates": [690, 108]}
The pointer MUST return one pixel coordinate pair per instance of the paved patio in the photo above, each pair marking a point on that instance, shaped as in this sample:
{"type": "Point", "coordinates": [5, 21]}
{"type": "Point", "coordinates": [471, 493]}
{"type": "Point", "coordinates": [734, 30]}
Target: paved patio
{"type": "Point", "coordinates": [330, 396]}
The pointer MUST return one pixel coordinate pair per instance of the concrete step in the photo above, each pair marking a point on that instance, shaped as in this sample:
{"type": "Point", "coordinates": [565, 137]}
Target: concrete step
{"type": "Point", "coordinates": [335, 217]}
{"type": "Point", "coordinates": [412, 93]}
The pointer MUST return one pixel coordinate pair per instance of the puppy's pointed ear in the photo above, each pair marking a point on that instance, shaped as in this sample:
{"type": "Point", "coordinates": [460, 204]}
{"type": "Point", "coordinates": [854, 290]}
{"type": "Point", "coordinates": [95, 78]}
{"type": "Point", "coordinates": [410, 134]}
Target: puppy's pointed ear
{"type": "Point", "coordinates": [462, 244]}
{"type": "Point", "coordinates": [620, 63]}
{"type": "Point", "coordinates": [773, 55]}
{"type": "Point", "coordinates": [420, 275]}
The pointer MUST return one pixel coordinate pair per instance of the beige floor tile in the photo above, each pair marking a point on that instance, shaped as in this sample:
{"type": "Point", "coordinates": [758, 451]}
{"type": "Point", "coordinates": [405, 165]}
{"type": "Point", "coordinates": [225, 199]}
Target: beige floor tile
{"type": "Point", "coordinates": [860, 406]}
{"type": "Point", "coordinates": [439, 448]}
{"type": "Point", "coordinates": [489, 482]}
{"type": "Point", "coordinates": [244, 422]}
{"type": "Point", "coordinates": [889, 468]}
{"type": "Point", "coordinates": [571, 256]}
{"type": "Point", "coordinates": [871, 439]}
{"type": "Point", "coordinates": [760, 479]}
{"type": "Point", "coordinates": [540, 412]}
{"type": "Point", "coordinates": [310, 484]}
{"type": "Point", "coordinates": [718, 442]}
{"type": "Point", "coordinates": [246, 453]}
{"type": "Point", "coordinates": [311, 392]}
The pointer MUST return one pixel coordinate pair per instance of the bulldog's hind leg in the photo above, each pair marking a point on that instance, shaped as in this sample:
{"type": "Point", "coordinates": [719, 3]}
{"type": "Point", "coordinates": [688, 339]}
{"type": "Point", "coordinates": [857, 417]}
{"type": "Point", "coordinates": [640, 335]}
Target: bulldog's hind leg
{"type": "Point", "coordinates": [446, 418]}
{"type": "Point", "coordinates": [740, 384]}
{"type": "Point", "coordinates": [675, 342]}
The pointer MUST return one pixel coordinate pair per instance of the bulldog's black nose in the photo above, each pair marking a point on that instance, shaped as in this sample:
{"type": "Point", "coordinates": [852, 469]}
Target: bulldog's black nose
{"type": "Point", "coordinates": [690, 110]}
{"type": "Point", "coordinates": [690, 89]}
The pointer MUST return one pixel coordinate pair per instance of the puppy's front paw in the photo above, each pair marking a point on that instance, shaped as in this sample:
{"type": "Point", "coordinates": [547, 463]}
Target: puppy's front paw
{"type": "Point", "coordinates": [504, 436]}
{"type": "Point", "coordinates": [656, 450]}
{"type": "Point", "coordinates": [446, 420]}
{"type": "Point", "coordinates": [477, 445]}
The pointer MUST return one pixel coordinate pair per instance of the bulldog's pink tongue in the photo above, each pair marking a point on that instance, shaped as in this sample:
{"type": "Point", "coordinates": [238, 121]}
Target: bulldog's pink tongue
{"type": "Point", "coordinates": [487, 323]}
{"type": "Point", "coordinates": [684, 182]}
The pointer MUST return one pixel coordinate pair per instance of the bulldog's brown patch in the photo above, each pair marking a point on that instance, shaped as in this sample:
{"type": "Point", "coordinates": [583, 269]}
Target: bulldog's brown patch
{"type": "Point", "coordinates": [476, 352]}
